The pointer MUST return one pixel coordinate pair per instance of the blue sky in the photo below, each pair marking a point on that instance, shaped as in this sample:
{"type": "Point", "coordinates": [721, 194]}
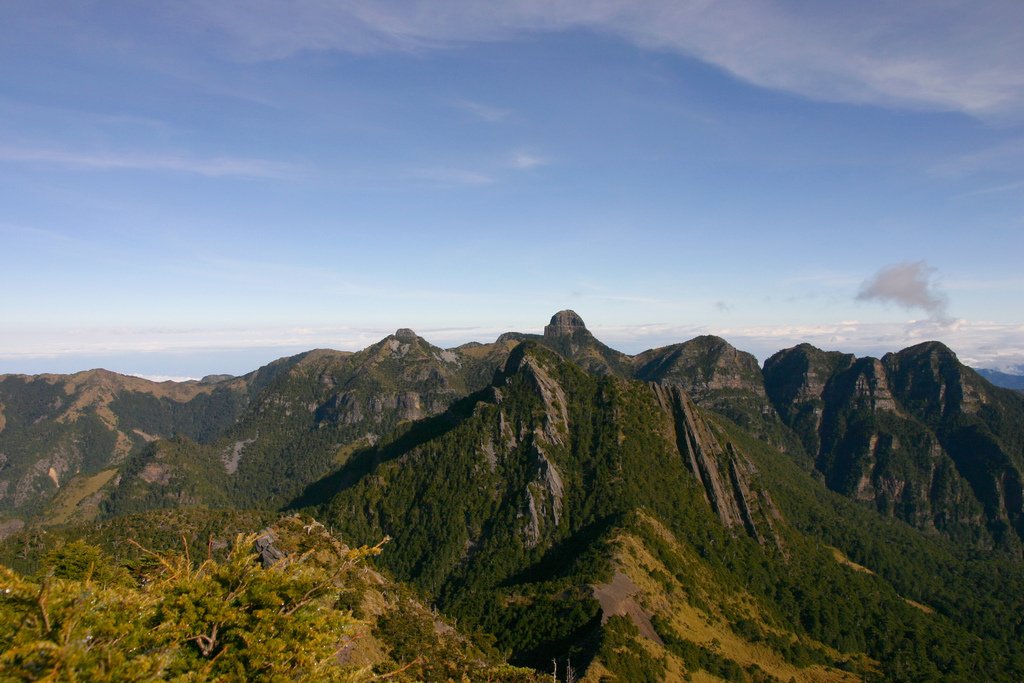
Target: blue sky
{"type": "Point", "coordinates": [198, 187]}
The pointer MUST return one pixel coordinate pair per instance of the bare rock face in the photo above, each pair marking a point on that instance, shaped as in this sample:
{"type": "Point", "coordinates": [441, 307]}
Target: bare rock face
{"type": "Point", "coordinates": [725, 472]}
{"type": "Point", "coordinates": [556, 416]}
{"type": "Point", "coordinates": [705, 367]}
{"type": "Point", "coordinates": [545, 490]}
{"type": "Point", "coordinates": [932, 381]}
{"type": "Point", "coordinates": [619, 598]}
{"type": "Point", "coordinates": [232, 456]}
{"type": "Point", "coordinates": [916, 434]}
{"type": "Point", "coordinates": [404, 334]}
{"type": "Point", "coordinates": [564, 323]}
{"type": "Point", "coordinates": [543, 498]}
{"type": "Point", "coordinates": [264, 547]}
{"type": "Point", "coordinates": [10, 526]}
{"type": "Point", "coordinates": [719, 377]}
{"type": "Point", "coordinates": [871, 389]}
{"type": "Point", "coordinates": [568, 336]}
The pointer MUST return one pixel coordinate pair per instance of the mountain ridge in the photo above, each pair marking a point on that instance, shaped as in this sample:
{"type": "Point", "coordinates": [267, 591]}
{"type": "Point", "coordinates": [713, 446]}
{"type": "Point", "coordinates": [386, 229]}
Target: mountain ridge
{"type": "Point", "coordinates": [338, 400]}
{"type": "Point", "coordinates": [648, 520]}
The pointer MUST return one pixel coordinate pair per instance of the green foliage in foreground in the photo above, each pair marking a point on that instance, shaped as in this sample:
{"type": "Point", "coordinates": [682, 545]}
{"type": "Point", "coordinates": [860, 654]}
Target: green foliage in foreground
{"type": "Point", "coordinates": [84, 617]}
{"type": "Point", "coordinates": [161, 530]}
{"type": "Point", "coordinates": [230, 620]}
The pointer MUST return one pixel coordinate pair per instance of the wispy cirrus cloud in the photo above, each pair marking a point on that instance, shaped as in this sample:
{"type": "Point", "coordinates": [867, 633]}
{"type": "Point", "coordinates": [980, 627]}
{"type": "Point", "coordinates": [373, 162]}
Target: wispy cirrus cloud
{"type": "Point", "coordinates": [449, 175]}
{"type": "Point", "coordinates": [487, 172]}
{"type": "Point", "coordinates": [957, 55]}
{"type": "Point", "coordinates": [109, 161]}
{"type": "Point", "coordinates": [994, 189]}
{"type": "Point", "coordinates": [484, 112]}
{"type": "Point", "coordinates": [523, 160]}
{"type": "Point", "coordinates": [1007, 155]}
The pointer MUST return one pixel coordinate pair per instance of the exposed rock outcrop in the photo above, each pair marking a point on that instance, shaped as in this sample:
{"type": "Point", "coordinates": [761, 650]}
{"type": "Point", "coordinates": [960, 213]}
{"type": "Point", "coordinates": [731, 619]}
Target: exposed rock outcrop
{"type": "Point", "coordinates": [720, 377]}
{"type": "Point", "coordinates": [405, 334]}
{"type": "Point", "coordinates": [564, 323]}
{"type": "Point", "coordinates": [702, 366]}
{"type": "Point", "coordinates": [916, 434]}
{"type": "Point", "coordinates": [232, 456]}
{"type": "Point", "coordinates": [353, 407]}
{"type": "Point", "coordinates": [725, 473]}
{"type": "Point", "coordinates": [569, 336]}
{"type": "Point", "coordinates": [544, 498]}
{"type": "Point", "coordinates": [264, 547]}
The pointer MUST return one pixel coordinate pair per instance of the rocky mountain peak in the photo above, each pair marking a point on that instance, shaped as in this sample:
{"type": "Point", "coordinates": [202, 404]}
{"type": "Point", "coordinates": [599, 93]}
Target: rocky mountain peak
{"type": "Point", "coordinates": [405, 334]}
{"type": "Point", "coordinates": [564, 323]}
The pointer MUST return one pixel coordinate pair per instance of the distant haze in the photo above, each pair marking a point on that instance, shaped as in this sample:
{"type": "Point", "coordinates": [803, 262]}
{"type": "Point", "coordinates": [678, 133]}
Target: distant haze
{"type": "Point", "coordinates": [141, 354]}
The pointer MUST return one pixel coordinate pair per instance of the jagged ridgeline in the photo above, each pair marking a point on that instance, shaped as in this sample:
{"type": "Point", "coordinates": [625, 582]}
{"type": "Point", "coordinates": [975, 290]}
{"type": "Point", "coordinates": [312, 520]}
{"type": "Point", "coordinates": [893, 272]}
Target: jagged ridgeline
{"type": "Point", "coordinates": [77, 446]}
{"type": "Point", "coordinates": [653, 517]}
{"type": "Point", "coordinates": [916, 434]}
{"type": "Point", "coordinates": [73, 447]}
{"type": "Point", "coordinates": [543, 506]}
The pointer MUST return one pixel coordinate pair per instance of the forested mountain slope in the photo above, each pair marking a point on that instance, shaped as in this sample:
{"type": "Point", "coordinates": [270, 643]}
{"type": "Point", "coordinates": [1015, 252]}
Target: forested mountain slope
{"type": "Point", "coordinates": [543, 506]}
{"type": "Point", "coordinates": [652, 517]}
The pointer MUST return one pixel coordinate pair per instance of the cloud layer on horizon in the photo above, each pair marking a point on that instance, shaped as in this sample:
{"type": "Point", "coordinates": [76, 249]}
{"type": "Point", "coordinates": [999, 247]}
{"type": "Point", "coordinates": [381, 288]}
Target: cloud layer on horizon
{"type": "Point", "coordinates": [977, 343]}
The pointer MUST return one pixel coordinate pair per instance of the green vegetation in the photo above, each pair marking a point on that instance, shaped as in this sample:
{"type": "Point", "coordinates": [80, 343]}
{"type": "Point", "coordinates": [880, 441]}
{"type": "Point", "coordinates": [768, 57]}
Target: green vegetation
{"type": "Point", "coordinates": [514, 509]}
{"type": "Point", "coordinates": [622, 652]}
{"type": "Point", "coordinates": [173, 617]}
{"type": "Point", "coordinates": [202, 419]}
{"type": "Point", "coordinates": [977, 600]}
{"type": "Point", "coordinates": [212, 621]}
{"type": "Point", "coordinates": [465, 535]}
{"type": "Point", "coordinates": [164, 530]}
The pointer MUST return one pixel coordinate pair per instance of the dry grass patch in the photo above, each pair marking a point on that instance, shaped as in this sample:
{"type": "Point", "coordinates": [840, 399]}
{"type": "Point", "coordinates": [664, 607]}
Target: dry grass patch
{"type": "Point", "coordinates": [709, 628]}
{"type": "Point", "coordinates": [72, 501]}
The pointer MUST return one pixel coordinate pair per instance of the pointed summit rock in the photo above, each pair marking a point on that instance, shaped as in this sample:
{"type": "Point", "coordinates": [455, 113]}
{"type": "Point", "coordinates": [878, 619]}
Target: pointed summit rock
{"type": "Point", "coordinates": [405, 334]}
{"type": "Point", "coordinates": [564, 323]}
{"type": "Point", "coordinates": [569, 336]}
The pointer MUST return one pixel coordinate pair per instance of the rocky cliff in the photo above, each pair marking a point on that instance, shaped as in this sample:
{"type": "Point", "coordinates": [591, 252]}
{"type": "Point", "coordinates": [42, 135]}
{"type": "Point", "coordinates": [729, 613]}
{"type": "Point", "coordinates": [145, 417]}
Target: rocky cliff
{"type": "Point", "coordinates": [724, 472]}
{"type": "Point", "coordinates": [916, 433]}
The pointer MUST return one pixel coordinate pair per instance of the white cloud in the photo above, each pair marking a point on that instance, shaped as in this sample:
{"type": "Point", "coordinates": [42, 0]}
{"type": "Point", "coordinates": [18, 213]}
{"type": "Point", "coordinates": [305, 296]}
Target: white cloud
{"type": "Point", "coordinates": [977, 343]}
{"type": "Point", "coordinates": [55, 341]}
{"type": "Point", "coordinates": [166, 378]}
{"type": "Point", "coordinates": [525, 160]}
{"type": "Point", "coordinates": [489, 172]}
{"type": "Point", "coordinates": [994, 189]}
{"type": "Point", "coordinates": [447, 175]}
{"type": "Point", "coordinates": [209, 166]}
{"type": "Point", "coordinates": [909, 285]}
{"type": "Point", "coordinates": [484, 112]}
{"type": "Point", "coordinates": [957, 55]}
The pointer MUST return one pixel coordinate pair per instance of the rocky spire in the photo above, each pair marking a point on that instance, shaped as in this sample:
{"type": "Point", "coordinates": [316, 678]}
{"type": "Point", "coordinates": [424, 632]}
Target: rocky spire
{"type": "Point", "coordinates": [564, 323]}
{"type": "Point", "coordinates": [405, 334]}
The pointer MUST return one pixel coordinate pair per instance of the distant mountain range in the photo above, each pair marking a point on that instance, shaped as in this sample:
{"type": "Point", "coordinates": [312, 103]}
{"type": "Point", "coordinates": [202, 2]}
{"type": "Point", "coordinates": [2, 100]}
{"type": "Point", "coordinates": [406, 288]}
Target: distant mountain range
{"type": "Point", "coordinates": [682, 510]}
{"type": "Point", "coordinates": [1003, 379]}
